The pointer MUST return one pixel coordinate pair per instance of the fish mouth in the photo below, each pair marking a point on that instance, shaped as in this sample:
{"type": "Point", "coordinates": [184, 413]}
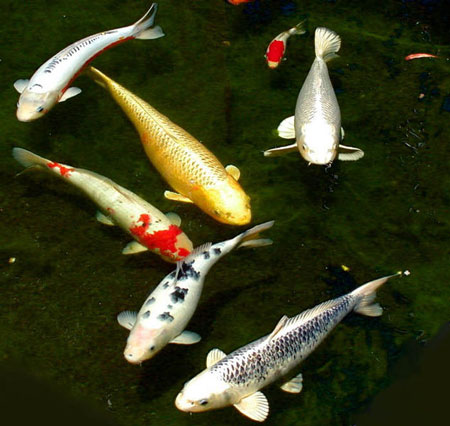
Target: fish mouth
{"type": "Point", "coordinates": [184, 405]}
{"type": "Point", "coordinates": [23, 117]}
{"type": "Point", "coordinates": [272, 65]}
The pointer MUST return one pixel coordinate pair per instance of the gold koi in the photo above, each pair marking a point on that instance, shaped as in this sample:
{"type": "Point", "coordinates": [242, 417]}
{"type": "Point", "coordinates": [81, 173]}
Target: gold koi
{"type": "Point", "coordinates": [187, 165]}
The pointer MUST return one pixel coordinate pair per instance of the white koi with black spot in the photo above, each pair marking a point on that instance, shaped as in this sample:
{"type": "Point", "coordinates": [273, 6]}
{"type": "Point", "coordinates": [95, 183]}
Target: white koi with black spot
{"type": "Point", "coordinates": [236, 379]}
{"type": "Point", "coordinates": [167, 310]}
{"type": "Point", "coordinates": [50, 83]}
{"type": "Point", "coordinates": [151, 229]}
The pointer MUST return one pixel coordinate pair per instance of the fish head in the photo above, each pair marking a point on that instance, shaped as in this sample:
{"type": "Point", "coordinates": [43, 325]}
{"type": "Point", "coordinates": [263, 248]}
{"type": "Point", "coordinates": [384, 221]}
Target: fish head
{"type": "Point", "coordinates": [273, 64]}
{"type": "Point", "coordinates": [318, 144]}
{"type": "Point", "coordinates": [204, 392]}
{"type": "Point", "coordinates": [34, 103]}
{"type": "Point", "coordinates": [144, 343]}
{"type": "Point", "coordinates": [228, 203]}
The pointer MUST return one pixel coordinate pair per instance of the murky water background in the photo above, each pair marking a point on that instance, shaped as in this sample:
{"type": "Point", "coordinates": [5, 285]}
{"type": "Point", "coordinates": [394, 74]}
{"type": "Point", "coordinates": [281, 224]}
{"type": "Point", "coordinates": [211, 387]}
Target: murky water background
{"type": "Point", "coordinates": [59, 338]}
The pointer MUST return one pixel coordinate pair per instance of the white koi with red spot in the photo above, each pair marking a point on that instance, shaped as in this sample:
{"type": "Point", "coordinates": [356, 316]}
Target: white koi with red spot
{"type": "Point", "coordinates": [50, 83]}
{"type": "Point", "coordinates": [277, 47]}
{"type": "Point", "coordinates": [170, 306]}
{"type": "Point", "coordinates": [151, 229]}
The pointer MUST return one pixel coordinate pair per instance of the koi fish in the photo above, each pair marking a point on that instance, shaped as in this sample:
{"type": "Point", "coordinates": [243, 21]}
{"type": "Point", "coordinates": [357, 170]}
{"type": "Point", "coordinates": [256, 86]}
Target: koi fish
{"type": "Point", "coordinates": [236, 379]}
{"type": "Point", "coordinates": [167, 310]}
{"type": "Point", "coordinates": [151, 229]}
{"type": "Point", "coordinates": [419, 55]}
{"type": "Point", "coordinates": [191, 169]}
{"type": "Point", "coordinates": [277, 47]}
{"type": "Point", "coordinates": [238, 2]}
{"type": "Point", "coordinates": [316, 125]}
{"type": "Point", "coordinates": [51, 82]}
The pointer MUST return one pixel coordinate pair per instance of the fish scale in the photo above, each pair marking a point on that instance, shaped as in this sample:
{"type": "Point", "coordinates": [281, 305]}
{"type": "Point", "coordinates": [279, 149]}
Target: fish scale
{"type": "Point", "coordinates": [169, 142]}
{"type": "Point", "coordinates": [262, 357]}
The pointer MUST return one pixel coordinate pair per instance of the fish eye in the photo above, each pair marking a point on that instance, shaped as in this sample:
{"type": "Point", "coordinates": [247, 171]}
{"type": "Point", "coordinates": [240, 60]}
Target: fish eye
{"type": "Point", "coordinates": [304, 147]}
{"type": "Point", "coordinates": [203, 402]}
{"type": "Point", "coordinates": [152, 348]}
{"type": "Point", "coordinates": [40, 109]}
{"type": "Point", "coordinates": [216, 212]}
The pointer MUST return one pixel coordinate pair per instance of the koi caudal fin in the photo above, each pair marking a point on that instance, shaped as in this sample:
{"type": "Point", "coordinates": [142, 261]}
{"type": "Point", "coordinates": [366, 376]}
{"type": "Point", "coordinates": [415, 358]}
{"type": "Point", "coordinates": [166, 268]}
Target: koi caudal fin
{"type": "Point", "coordinates": [250, 238]}
{"type": "Point", "coordinates": [144, 30]}
{"type": "Point", "coordinates": [366, 295]}
{"type": "Point", "coordinates": [28, 159]}
{"type": "Point", "coordinates": [327, 43]}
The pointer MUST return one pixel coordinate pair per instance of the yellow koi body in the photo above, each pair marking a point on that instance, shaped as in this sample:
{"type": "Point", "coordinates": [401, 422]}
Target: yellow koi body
{"type": "Point", "coordinates": [193, 171]}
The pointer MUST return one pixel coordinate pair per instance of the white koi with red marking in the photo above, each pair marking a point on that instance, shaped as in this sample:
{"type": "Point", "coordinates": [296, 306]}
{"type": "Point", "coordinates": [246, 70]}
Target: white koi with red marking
{"type": "Point", "coordinates": [50, 83]}
{"type": "Point", "coordinates": [151, 229]}
{"type": "Point", "coordinates": [277, 47]}
{"type": "Point", "coordinates": [170, 306]}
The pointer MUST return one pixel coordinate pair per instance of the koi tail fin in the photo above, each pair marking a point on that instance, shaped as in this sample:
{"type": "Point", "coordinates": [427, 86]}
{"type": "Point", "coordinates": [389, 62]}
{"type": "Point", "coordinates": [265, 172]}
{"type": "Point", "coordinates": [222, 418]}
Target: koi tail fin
{"type": "Point", "coordinates": [144, 29]}
{"type": "Point", "coordinates": [250, 238]}
{"type": "Point", "coordinates": [299, 29]}
{"type": "Point", "coordinates": [366, 294]}
{"type": "Point", "coordinates": [327, 43]}
{"type": "Point", "coordinates": [28, 159]}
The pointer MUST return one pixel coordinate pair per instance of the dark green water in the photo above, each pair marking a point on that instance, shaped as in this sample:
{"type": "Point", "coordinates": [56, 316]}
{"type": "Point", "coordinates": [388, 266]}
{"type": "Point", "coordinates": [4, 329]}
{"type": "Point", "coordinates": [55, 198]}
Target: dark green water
{"type": "Point", "coordinates": [384, 213]}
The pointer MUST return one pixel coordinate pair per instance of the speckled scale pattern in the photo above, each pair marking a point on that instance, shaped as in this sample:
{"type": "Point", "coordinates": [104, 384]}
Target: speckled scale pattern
{"type": "Point", "coordinates": [166, 143]}
{"type": "Point", "coordinates": [317, 97]}
{"type": "Point", "coordinates": [260, 361]}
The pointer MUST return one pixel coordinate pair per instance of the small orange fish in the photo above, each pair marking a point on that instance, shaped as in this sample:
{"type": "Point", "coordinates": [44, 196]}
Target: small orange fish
{"type": "Point", "coordinates": [420, 55]}
{"type": "Point", "coordinates": [238, 2]}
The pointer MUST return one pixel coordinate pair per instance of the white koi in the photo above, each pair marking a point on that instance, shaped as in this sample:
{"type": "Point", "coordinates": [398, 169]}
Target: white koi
{"type": "Point", "coordinates": [51, 82]}
{"type": "Point", "coordinates": [236, 379]}
{"type": "Point", "coordinates": [316, 125]}
{"type": "Point", "coordinates": [151, 229]}
{"type": "Point", "coordinates": [169, 307]}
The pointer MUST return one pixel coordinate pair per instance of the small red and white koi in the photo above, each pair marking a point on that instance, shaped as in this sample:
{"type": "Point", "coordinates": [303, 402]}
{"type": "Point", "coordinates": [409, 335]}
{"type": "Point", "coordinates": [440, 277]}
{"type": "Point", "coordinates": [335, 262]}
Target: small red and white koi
{"type": "Point", "coordinates": [151, 229]}
{"type": "Point", "coordinates": [419, 55]}
{"type": "Point", "coordinates": [50, 84]}
{"type": "Point", "coordinates": [277, 47]}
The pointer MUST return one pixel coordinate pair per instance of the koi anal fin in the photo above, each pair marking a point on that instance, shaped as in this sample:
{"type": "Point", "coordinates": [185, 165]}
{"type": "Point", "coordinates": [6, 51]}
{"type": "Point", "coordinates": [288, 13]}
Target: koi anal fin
{"type": "Point", "coordinates": [294, 385]}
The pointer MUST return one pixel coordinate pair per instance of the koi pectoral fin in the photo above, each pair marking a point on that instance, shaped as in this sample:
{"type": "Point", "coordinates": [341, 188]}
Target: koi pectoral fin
{"type": "Point", "coordinates": [20, 85]}
{"type": "Point", "coordinates": [254, 406]}
{"type": "Point", "coordinates": [173, 218]}
{"type": "Point", "coordinates": [70, 93]}
{"type": "Point", "coordinates": [174, 196]}
{"type": "Point", "coordinates": [127, 319]}
{"type": "Point", "coordinates": [214, 356]}
{"type": "Point", "coordinates": [349, 153]}
{"type": "Point", "coordinates": [233, 171]}
{"type": "Point", "coordinates": [186, 338]}
{"type": "Point", "coordinates": [286, 129]}
{"type": "Point", "coordinates": [134, 247]}
{"type": "Point", "coordinates": [294, 385]}
{"type": "Point", "coordinates": [104, 219]}
{"type": "Point", "coordinates": [280, 150]}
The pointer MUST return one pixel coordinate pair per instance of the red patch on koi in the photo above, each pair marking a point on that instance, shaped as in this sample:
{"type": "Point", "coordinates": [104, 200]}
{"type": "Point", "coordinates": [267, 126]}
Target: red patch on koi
{"type": "Point", "coordinates": [64, 171]}
{"type": "Point", "coordinates": [275, 51]}
{"type": "Point", "coordinates": [182, 252]}
{"type": "Point", "coordinates": [164, 240]}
